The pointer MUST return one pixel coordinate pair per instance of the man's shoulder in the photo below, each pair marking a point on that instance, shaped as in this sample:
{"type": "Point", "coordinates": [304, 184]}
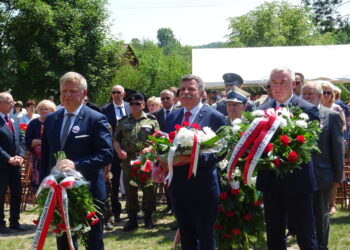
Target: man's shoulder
{"type": "Point", "coordinates": [151, 116]}
{"type": "Point", "coordinates": [106, 107]}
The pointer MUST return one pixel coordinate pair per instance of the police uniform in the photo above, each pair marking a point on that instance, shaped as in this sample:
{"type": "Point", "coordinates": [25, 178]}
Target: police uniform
{"type": "Point", "coordinates": [133, 135]}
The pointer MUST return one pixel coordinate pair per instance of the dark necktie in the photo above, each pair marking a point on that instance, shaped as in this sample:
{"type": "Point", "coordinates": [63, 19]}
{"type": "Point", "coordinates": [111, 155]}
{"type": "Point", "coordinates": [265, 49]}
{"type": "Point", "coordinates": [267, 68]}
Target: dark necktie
{"type": "Point", "coordinates": [120, 111]}
{"type": "Point", "coordinates": [187, 116]}
{"type": "Point", "coordinates": [9, 123]}
{"type": "Point", "coordinates": [166, 114]}
{"type": "Point", "coordinates": [65, 130]}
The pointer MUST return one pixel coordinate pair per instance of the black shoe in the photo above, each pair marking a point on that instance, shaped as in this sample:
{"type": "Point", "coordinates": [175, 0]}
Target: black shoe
{"type": "Point", "coordinates": [130, 225]}
{"type": "Point", "coordinates": [4, 230]}
{"type": "Point", "coordinates": [117, 219]}
{"type": "Point", "coordinates": [18, 227]}
{"type": "Point", "coordinates": [149, 223]}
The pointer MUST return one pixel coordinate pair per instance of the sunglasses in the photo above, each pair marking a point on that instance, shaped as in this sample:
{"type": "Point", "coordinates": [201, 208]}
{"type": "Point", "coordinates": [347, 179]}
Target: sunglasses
{"type": "Point", "coordinates": [327, 92]}
{"type": "Point", "coordinates": [116, 92]}
{"type": "Point", "coordinates": [165, 98]}
{"type": "Point", "coordinates": [297, 82]}
{"type": "Point", "coordinates": [135, 103]}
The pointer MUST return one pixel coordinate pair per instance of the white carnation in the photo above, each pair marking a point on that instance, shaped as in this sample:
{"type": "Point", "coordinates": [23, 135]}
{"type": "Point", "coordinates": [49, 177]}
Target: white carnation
{"type": "Point", "coordinates": [258, 113]}
{"type": "Point", "coordinates": [253, 180]}
{"type": "Point", "coordinates": [223, 164]}
{"type": "Point", "coordinates": [301, 123]}
{"type": "Point", "coordinates": [185, 137]}
{"type": "Point", "coordinates": [283, 123]}
{"type": "Point", "coordinates": [234, 184]}
{"type": "Point", "coordinates": [235, 129]}
{"type": "Point", "coordinates": [208, 134]}
{"type": "Point", "coordinates": [236, 121]}
{"type": "Point", "coordinates": [237, 172]}
{"type": "Point", "coordinates": [304, 116]}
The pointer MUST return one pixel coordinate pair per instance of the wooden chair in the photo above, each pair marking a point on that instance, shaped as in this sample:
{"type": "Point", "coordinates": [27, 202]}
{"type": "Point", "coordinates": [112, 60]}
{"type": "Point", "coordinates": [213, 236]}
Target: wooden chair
{"type": "Point", "coordinates": [343, 190]}
{"type": "Point", "coordinates": [27, 194]}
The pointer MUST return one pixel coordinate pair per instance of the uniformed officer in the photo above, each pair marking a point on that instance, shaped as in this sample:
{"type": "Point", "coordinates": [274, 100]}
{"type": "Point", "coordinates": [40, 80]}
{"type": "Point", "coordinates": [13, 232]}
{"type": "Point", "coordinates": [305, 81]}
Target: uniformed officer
{"type": "Point", "coordinates": [231, 80]}
{"type": "Point", "coordinates": [130, 140]}
{"type": "Point", "coordinates": [236, 104]}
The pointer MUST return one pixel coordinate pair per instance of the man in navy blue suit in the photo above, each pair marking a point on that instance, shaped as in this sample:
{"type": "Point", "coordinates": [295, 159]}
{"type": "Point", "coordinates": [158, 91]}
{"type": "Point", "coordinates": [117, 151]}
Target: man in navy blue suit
{"type": "Point", "coordinates": [195, 200]}
{"type": "Point", "coordinates": [11, 158]}
{"type": "Point", "coordinates": [83, 135]}
{"type": "Point", "coordinates": [290, 195]}
{"type": "Point", "coordinates": [114, 111]}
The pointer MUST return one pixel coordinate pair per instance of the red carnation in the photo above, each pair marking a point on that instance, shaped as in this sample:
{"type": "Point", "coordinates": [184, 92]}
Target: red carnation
{"type": "Point", "coordinates": [223, 196]}
{"type": "Point", "coordinates": [36, 222]}
{"type": "Point", "coordinates": [94, 222]}
{"type": "Point", "coordinates": [218, 227]}
{"type": "Point", "coordinates": [196, 126]}
{"type": "Point", "coordinates": [61, 226]}
{"type": "Point", "coordinates": [133, 174]}
{"type": "Point", "coordinates": [172, 135]}
{"type": "Point", "coordinates": [247, 217]}
{"type": "Point", "coordinates": [300, 138]}
{"type": "Point", "coordinates": [24, 126]}
{"type": "Point", "coordinates": [257, 203]}
{"type": "Point", "coordinates": [230, 213]}
{"type": "Point", "coordinates": [292, 157]}
{"type": "Point", "coordinates": [57, 231]}
{"type": "Point", "coordinates": [185, 124]}
{"type": "Point", "coordinates": [268, 148]}
{"type": "Point", "coordinates": [235, 191]}
{"type": "Point", "coordinates": [177, 126]}
{"type": "Point", "coordinates": [285, 140]}
{"type": "Point", "coordinates": [90, 215]}
{"type": "Point", "coordinates": [236, 231]}
{"type": "Point", "coordinates": [228, 236]}
{"type": "Point", "coordinates": [277, 162]}
{"type": "Point", "coordinates": [143, 177]}
{"type": "Point", "coordinates": [220, 208]}
{"type": "Point", "coordinates": [242, 133]}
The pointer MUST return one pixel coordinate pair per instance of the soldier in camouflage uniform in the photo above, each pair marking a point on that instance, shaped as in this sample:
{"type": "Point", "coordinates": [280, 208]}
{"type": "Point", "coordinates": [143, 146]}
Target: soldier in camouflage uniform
{"type": "Point", "coordinates": [130, 140]}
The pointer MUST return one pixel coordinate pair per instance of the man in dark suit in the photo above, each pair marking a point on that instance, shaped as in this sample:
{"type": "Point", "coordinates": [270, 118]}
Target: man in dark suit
{"type": "Point", "coordinates": [83, 135]}
{"type": "Point", "coordinates": [329, 164]}
{"type": "Point", "coordinates": [167, 99]}
{"type": "Point", "coordinates": [114, 111]}
{"type": "Point", "coordinates": [11, 158]}
{"type": "Point", "coordinates": [195, 200]}
{"type": "Point", "coordinates": [292, 194]}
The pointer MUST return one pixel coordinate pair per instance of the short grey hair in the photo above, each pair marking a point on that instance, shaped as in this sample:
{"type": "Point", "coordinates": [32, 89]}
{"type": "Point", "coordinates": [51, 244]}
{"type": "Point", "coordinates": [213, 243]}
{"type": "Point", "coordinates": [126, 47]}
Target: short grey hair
{"type": "Point", "coordinates": [167, 91]}
{"type": "Point", "coordinates": [119, 86]}
{"type": "Point", "coordinates": [4, 96]}
{"type": "Point", "coordinates": [74, 77]}
{"type": "Point", "coordinates": [314, 85]}
{"type": "Point", "coordinates": [191, 77]}
{"type": "Point", "coordinates": [284, 69]}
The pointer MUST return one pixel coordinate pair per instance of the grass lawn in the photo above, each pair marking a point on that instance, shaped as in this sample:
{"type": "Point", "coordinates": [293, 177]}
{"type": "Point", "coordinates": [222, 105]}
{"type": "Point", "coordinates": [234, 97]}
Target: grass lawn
{"type": "Point", "coordinates": [159, 238]}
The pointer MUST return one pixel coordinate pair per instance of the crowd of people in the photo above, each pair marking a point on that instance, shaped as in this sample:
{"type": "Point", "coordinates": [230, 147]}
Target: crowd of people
{"type": "Point", "coordinates": [101, 143]}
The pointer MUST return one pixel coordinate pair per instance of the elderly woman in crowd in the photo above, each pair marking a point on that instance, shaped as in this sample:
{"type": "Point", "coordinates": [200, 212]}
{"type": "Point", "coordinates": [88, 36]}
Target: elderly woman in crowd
{"type": "Point", "coordinates": [30, 106]}
{"type": "Point", "coordinates": [328, 100]}
{"type": "Point", "coordinates": [33, 138]}
{"type": "Point", "coordinates": [18, 110]}
{"type": "Point", "coordinates": [154, 104]}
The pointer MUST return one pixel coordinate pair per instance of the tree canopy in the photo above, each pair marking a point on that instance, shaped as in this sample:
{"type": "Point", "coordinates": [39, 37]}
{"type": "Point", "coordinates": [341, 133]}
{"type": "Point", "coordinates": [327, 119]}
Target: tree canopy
{"type": "Point", "coordinates": [276, 24]}
{"type": "Point", "coordinates": [43, 39]}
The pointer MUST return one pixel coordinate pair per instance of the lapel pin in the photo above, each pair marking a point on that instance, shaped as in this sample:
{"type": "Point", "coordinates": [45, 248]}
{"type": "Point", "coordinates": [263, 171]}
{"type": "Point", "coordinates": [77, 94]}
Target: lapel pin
{"type": "Point", "coordinates": [75, 129]}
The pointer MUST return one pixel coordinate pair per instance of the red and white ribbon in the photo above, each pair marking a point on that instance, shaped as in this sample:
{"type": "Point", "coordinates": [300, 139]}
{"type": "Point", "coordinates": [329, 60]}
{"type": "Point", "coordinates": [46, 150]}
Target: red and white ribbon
{"type": "Point", "coordinates": [258, 134]}
{"type": "Point", "coordinates": [57, 194]}
{"type": "Point", "coordinates": [194, 157]}
{"type": "Point", "coordinates": [146, 167]}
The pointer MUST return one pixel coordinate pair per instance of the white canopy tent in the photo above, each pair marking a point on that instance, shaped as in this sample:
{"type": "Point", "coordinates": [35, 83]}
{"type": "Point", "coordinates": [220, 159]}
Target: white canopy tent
{"type": "Point", "coordinates": [255, 64]}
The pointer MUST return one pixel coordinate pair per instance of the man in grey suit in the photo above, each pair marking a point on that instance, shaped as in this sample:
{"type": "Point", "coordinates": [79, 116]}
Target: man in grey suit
{"type": "Point", "coordinates": [328, 166]}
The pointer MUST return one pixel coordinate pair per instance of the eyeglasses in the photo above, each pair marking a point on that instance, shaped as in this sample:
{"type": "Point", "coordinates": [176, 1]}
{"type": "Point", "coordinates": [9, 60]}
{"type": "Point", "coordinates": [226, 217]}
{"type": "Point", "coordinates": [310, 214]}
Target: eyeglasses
{"type": "Point", "coordinates": [135, 103]}
{"type": "Point", "coordinates": [297, 82]}
{"type": "Point", "coordinates": [327, 92]}
{"type": "Point", "coordinates": [116, 92]}
{"type": "Point", "coordinates": [165, 98]}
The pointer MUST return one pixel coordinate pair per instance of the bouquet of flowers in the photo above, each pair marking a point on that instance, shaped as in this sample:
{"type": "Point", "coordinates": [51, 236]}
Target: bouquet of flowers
{"type": "Point", "coordinates": [141, 170]}
{"type": "Point", "coordinates": [23, 127]}
{"type": "Point", "coordinates": [185, 140]}
{"type": "Point", "coordinates": [280, 140]}
{"type": "Point", "coordinates": [66, 205]}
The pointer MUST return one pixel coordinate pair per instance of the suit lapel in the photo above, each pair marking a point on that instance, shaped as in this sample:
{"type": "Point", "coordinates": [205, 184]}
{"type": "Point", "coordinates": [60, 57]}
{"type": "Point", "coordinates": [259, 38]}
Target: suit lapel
{"type": "Point", "coordinates": [57, 125]}
{"type": "Point", "coordinates": [77, 124]}
{"type": "Point", "coordinates": [200, 115]}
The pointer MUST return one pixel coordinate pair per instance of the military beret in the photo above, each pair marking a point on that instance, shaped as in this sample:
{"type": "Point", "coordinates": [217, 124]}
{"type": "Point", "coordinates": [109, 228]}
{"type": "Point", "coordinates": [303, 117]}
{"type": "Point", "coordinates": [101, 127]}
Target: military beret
{"type": "Point", "coordinates": [232, 78]}
{"type": "Point", "coordinates": [136, 97]}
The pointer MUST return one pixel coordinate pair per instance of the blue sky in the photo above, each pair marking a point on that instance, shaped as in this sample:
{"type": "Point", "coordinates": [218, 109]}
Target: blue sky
{"type": "Point", "coordinates": [194, 22]}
